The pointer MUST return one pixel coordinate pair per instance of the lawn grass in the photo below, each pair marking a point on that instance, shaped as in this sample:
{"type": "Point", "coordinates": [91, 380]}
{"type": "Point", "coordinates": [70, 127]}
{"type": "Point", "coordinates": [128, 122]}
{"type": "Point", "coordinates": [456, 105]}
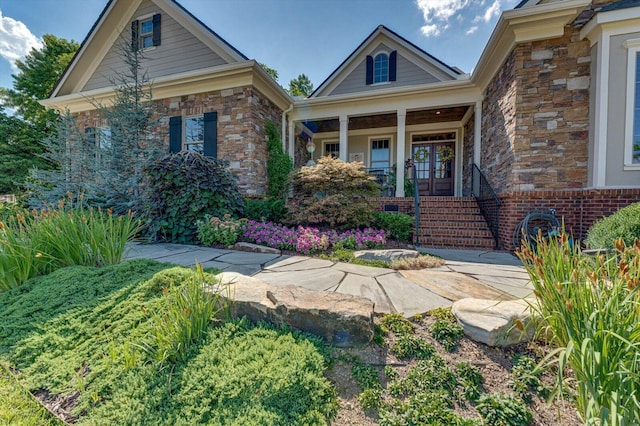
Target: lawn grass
{"type": "Point", "coordinates": [87, 331]}
{"type": "Point", "coordinates": [18, 407]}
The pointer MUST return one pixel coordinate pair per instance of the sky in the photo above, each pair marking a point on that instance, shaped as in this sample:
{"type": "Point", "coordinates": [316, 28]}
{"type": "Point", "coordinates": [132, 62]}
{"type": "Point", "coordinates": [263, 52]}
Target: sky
{"type": "Point", "coordinates": [291, 36]}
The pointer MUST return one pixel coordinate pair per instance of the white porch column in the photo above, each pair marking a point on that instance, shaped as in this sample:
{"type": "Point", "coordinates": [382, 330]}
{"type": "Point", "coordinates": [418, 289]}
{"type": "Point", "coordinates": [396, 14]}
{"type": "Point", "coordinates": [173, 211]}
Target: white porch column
{"type": "Point", "coordinates": [477, 133]}
{"type": "Point", "coordinates": [400, 148]}
{"type": "Point", "coordinates": [344, 128]}
{"type": "Point", "coordinates": [292, 138]}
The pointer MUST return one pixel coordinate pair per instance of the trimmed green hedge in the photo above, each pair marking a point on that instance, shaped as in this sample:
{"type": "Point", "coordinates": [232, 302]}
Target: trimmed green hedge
{"type": "Point", "coordinates": [625, 224]}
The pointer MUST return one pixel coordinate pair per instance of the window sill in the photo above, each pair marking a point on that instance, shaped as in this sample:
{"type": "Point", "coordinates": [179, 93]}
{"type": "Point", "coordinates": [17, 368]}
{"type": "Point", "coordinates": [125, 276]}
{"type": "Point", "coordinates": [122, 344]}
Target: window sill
{"type": "Point", "coordinates": [382, 83]}
{"type": "Point", "coordinates": [634, 166]}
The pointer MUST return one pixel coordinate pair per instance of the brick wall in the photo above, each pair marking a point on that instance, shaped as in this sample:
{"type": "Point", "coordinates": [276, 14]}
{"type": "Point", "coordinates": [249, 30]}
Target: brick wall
{"type": "Point", "coordinates": [241, 136]}
{"type": "Point", "coordinates": [579, 208]}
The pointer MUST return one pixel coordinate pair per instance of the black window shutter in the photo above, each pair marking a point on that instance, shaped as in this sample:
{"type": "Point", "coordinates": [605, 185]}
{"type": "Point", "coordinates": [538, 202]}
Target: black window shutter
{"type": "Point", "coordinates": [393, 59]}
{"type": "Point", "coordinates": [90, 136]}
{"type": "Point", "coordinates": [175, 134]}
{"type": "Point", "coordinates": [369, 70]}
{"type": "Point", "coordinates": [211, 134]}
{"type": "Point", "coordinates": [134, 35]}
{"type": "Point", "coordinates": [156, 29]}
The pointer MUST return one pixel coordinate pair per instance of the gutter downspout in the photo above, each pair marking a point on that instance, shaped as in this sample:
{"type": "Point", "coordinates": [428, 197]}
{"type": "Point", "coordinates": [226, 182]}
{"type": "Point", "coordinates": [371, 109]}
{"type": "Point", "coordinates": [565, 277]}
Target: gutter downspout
{"type": "Point", "coordinates": [284, 127]}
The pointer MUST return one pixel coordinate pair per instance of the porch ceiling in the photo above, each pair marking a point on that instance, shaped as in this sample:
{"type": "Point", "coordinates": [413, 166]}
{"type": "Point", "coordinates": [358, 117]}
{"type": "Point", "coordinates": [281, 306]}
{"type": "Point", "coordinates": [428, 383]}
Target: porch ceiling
{"type": "Point", "coordinates": [436, 115]}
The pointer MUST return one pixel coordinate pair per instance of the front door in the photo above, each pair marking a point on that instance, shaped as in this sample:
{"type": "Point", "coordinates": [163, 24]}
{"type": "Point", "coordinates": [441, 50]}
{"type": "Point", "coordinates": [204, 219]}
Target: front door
{"type": "Point", "coordinates": [434, 167]}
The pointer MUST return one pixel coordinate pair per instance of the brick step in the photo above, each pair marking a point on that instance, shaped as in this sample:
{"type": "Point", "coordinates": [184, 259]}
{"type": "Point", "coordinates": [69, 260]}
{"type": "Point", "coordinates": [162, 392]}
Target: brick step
{"type": "Point", "coordinates": [453, 234]}
{"type": "Point", "coordinates": [474, 244]}
{"type": "Point", "coordinates": [452, 216]}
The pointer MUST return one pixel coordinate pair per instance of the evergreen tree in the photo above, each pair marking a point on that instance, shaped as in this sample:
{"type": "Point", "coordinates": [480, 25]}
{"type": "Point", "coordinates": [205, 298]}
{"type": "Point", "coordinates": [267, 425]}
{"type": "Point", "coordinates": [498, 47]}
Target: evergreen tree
{"type": "Point", "coordinates": [105, 165]}
{"type": "Point", "coordinates": [301, 86]}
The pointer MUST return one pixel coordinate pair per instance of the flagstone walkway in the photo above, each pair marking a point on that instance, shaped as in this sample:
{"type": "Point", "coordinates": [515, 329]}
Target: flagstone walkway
{"type": "Point", "coordinates": [484, 275]}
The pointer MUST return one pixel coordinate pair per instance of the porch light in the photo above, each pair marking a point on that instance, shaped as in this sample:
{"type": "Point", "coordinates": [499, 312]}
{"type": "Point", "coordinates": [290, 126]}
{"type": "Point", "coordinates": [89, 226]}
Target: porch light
{"type": "Point", "coordinates": [311, 148]}
{"type": "Point", "coordinates": [437, 112]}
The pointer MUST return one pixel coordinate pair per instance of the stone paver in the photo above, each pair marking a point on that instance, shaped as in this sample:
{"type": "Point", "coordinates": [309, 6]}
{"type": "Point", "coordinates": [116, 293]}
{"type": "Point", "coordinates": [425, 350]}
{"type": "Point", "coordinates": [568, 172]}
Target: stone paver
{"type": "Point", "coordinates": [313, 279]}
{"type": "Point", "coordinates": [243, 257]}
{"type": "Point", "coordinates": [303, 265]}
{"type": "Point", "coordinates": [408, 297]}
{"type": "Point", "coordinates": [365, 271]}
{"type": "Point", "coordinates": [454, 286]}
{"type": "Point", "coordinates": [467, 273]}
{"type": "Point", "coordinates": [368, 287]}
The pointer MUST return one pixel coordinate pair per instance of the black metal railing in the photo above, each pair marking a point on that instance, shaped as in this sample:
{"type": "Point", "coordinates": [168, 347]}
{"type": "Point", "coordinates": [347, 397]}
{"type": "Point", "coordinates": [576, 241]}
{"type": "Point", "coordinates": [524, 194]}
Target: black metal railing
{"type": "Point", "coordinates": [488, 202]}
{"type": "Point", "coordinates": [386, 178]}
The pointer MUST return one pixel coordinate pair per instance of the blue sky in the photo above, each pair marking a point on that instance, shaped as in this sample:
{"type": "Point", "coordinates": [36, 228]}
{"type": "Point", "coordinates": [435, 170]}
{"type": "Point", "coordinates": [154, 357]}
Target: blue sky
{"type": "Point", "coordinates": [292, 36]}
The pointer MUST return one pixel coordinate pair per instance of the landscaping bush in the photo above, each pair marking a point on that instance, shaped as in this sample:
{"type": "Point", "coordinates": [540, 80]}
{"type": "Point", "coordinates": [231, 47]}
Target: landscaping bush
{"type": "Point", "coordinates": [183, 188]}
{"type": "Point", "coordinates": [332, 193]}
{"type": "Point", "coordinates": [264, 210]}
{"type": "Point", "coordinates": [62, 236]}
{"type": "Point", "coordinates": [399, 225]}
{"type": "Point", "coordinates": [85, 332]}
{"type": "Point", "coordinates": [279, 165]}
{"type": "Point", "coordinates": [589, 309]}
{"type": "Point", "coordinates": [503, 410]}
{"type": "Point", "coordinates": [216, 231]}
{"type": "Point", "coordinates": [625, 224]}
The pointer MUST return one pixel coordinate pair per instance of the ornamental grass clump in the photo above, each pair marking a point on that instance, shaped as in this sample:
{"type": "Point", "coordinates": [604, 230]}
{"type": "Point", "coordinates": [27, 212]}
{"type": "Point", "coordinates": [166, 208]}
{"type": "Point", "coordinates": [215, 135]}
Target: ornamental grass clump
{"type": "Point", "coordinates": [589, 308]}
{"type": "Point", "coordinates": [64, 235]}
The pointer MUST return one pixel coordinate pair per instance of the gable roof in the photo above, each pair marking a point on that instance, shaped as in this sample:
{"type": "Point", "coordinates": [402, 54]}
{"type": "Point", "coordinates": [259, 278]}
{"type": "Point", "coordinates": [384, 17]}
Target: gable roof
{"type": "Point", "coordinates": [122, 10]}
{"type": "Point", "coordinates": [381, 29]}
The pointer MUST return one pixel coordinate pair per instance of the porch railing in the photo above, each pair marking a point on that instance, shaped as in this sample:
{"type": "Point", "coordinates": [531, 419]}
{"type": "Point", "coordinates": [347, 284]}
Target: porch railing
{"type": "Point", "coordinates": [385, 177]}
{"type": "Point", "coordinates": [488, 202]}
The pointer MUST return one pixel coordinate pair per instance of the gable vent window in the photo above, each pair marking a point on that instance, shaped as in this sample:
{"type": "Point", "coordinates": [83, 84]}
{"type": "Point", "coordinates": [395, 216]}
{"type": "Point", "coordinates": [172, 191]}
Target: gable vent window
{"type": "Point", "coordinates": [381, 68]}
{"type": "Point", "coordinates": [145, 33]}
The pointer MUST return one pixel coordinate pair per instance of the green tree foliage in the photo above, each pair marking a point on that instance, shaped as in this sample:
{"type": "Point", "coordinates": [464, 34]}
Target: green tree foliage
{"type": "Point", "coordinates": [105, 165]}
{"type": "Point", "coordinates": [186, 187]}
{"type": "Point", "coordinates": [22, 134]}
{"type": "Point", "coordinates": [301, 86]}
{"type": "Point", "coordinates": [279, 164]}
{"type": "Point", "coordinates": [75, 166]}
{"type": "Point", "coordinates": [272, 72]}
{"type": "Point", "coordinates": [18, 151]}
{"type": "Point", "coordinates": [38, 74]}
{"type": "Point", "coordinates": [333, 193]}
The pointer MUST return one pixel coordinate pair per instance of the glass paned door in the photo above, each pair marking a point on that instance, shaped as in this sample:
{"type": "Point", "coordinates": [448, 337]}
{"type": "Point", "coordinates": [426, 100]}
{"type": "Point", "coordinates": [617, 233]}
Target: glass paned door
{"type": "Point", "coordinates": [434, 167]}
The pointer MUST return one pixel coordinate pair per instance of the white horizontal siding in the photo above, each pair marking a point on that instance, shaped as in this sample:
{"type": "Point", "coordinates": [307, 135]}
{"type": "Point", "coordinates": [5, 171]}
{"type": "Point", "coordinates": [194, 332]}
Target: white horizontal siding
{"type": "Point", "coordinates": [178, 52]}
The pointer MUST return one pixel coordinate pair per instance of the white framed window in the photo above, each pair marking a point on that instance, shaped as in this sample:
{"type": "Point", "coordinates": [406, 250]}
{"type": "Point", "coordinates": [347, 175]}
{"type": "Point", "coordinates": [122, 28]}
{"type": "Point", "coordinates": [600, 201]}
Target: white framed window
{"type": "Point", "coordinates": [380, 153]}
{"type": "Point", "coordinates": [193, 139]}
{"type": "Point", "coordinates": [632, 117]}
{"type": "Point", "coordinates": [381, 68]}
{"type": "Point", "coordinates": [331, 148]}
{"type": "Point", "coordinates": [146, 33]}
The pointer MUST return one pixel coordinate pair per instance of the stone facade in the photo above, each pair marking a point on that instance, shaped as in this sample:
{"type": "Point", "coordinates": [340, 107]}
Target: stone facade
{"type": "Point", "coordinates": [499, 127]}
{"type": "Point", "coordinates": [536, 121]}
{"type": "Point", "coordinates": [242, 112]}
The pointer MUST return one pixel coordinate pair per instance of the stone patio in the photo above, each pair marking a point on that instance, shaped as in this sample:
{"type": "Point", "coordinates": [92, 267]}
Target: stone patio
{"type": "Point", "coordinates": [482, 275]}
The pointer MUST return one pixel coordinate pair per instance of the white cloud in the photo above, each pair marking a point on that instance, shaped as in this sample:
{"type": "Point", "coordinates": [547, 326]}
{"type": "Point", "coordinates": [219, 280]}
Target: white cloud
{"type": "Point", "coordinates": [430, 30]}
{"type": "Point", "coordinates": [437, 13]}
{"type": "Point", "coordinates": [491, 11]}
{"type": "Point", "coordinates": [16, 41]}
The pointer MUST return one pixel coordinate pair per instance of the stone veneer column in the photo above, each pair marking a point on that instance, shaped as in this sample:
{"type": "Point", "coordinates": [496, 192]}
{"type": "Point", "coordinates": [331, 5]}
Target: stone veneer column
{"type": "Point", "coordinates": [344, 124]}
{"type": "Point", "coordinates": [402, 115]}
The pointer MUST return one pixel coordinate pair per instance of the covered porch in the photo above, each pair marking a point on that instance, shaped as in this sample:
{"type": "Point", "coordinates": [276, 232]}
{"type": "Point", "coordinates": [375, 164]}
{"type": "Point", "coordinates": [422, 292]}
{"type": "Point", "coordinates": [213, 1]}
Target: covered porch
{"type": "Point", "coordinates": [441, 139]}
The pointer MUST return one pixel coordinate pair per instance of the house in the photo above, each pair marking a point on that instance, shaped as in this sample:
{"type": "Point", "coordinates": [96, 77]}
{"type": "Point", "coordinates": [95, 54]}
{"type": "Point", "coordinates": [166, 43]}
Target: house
{"type": "Point", "coordinates": [550, 117]}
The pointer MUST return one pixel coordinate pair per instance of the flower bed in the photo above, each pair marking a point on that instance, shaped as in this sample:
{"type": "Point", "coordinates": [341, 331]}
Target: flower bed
{"type": "Point", "coordinates": [305, 240]}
